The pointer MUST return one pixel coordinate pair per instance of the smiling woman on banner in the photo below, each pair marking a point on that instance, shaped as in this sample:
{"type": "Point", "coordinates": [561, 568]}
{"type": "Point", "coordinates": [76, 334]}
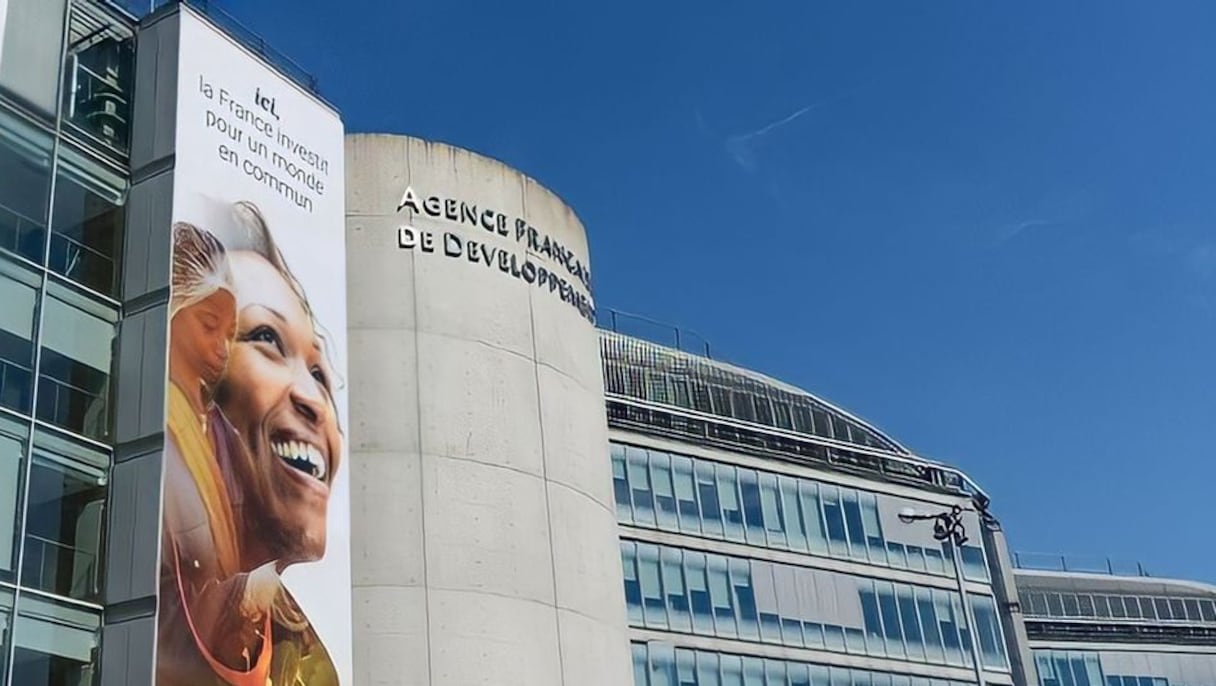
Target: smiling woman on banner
{"type": "Point", "coordinates": [247, 476]}
{"type": "Point", "coordinates": [278, 397]}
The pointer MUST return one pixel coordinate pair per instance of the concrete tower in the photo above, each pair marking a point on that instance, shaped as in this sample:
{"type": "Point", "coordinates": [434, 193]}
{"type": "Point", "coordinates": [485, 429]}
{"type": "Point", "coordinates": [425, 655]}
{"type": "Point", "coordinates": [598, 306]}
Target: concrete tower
{"type": "Point", "coordinates": [483, 531]}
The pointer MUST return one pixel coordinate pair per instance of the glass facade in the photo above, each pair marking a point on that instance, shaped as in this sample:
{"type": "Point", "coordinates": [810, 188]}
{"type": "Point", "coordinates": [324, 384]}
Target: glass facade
{"type": "Point", "coordinates": [66, 76]}
{"type": "Point", "coordinates": [689, 591]}
{"type": "Point", "coordinates": [1134, 667]}
{"type": "Point", "coordinates": [661, 490]}
{"type": "Point", "coordinates": [661, 664]}
{"type": "Point", "coordinates": [654, 374]}
{"type": "Point", "coordinates": [1119, 606]}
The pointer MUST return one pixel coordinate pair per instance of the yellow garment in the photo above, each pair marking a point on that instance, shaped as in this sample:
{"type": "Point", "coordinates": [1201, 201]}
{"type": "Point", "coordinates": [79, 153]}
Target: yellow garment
{"type": "Point", "coordinates": [199, 455]}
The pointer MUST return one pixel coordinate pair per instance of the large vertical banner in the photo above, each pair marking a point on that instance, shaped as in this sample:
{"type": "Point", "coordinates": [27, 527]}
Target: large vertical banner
{"type": "Point", "coordinates": [255, 555]}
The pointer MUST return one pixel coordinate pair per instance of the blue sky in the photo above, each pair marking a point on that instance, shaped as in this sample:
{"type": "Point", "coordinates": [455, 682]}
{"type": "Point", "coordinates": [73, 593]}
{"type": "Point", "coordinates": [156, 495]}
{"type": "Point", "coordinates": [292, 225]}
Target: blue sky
{"type": "Point", "coordinates": [990, 230]}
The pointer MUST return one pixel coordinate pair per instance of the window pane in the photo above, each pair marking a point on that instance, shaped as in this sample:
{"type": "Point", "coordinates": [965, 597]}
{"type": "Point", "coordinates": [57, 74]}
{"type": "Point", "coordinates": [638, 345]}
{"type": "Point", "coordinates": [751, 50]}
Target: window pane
{"type": "Point", "coordinates": [732, 510]}
{"type": "Point", "coordinates": [87, 222]}
{"type": "Point", "coordinates": [1163, 608]}
{"type": "Point", "coordinates": [1085, 604]}
{"type": "Point", "coordinates": [633, 587]}
{"type": "Point", "coordinates": [817, 539]}
{"type": "Point", "coordinates": [723, 601]}
{"type": "Point", "coordinates": [25, 166]}
{"type": "Point", "coordinates": [18, 298]}
{"type": "Point", "coordinates": [1071, 608]}
{"type": "Point", "coordinates": [30, 50]}
{"type": "Point", "coordinates": [871, 615]}
{"type": "Point", "coordinates": [707, 668]}
{"type": "Point", "coordinates": [1146, 608]}
{"type": "Point", "coordinates": [749, 489]}
{"type": "Point", "coordinates": [74, 373]}
{"type": "Point", "coordinates": [97, 81]}
{"type": "Point", "coordinates": [686, 496]}
{"type": "Point", "coordinates": [891, 626]}
{"type": "Point", "coordinates": [6, 624]}
{"type": "Point", "coordinates": [678, 615]}
{"type": "Point", "coordinates": [12, 448]}
{"type": "Point", "coordinates": [834, 518]}
{"type": "Point", "coordinates": [875, 544]}
{"type": "Point", "coordinates": [55, 644]}
{"type": "Point", "coordinates": [64, 522]}
{"type": "Point", "coordinates": [774, 521]}
{"type": "Point", "coordinates": [1177, 609]}
{"type": "Point", "coordinates": [640, 669]}
{"type": "Point", "coordinates": [794, 526]}
{"type": "Point", "coordinates": [744, 598]}
{"type": "Point", "coordinates": [620, 485]}
{"type": "Point", "coordinates": [913, 638]}
{"type": "Point", "coordinates": [852, 516]}
{"type": "Point", "coordinates": [732, 670]}
{"type": "Point", "coordinates": [653, 605]}
{"type": "Point", "coordinates": [698, 593]}
{"type": "Point", "coordinates": [934, 561]}
{"type": "Point", "coordinates": [929, 625]}
{"type": "Point", "coordinates": [664, 492]}
{"type": "Point", "coordinates": [707, 492]}
{"type": "Point", "coordinates": [1208, 610]}
{"type": "Point", "coordinates": [639, 482]}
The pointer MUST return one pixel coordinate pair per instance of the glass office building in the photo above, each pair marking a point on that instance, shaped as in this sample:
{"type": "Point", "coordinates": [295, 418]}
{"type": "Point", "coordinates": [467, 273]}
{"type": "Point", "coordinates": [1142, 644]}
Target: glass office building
{"type": "Point", "coordinates": [65, 91]}
{"type": "Point", "coordinates": [761, 541]}
{"type": "Point", "coordinates": [1117, 627]}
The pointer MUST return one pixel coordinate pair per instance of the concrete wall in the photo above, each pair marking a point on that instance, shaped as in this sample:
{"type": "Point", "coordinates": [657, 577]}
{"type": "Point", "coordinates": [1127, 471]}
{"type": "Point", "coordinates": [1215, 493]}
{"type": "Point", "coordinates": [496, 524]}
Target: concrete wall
{"type": "Point", "coordinates": [483, 531]}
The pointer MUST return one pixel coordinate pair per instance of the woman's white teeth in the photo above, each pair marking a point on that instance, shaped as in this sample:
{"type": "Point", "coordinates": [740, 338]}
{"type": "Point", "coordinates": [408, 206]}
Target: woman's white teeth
{"type": "Point", "coordinates": [302, 456]}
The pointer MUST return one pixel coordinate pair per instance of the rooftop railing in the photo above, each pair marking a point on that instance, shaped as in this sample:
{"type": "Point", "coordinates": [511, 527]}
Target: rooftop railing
{"type": "Point", "coordinates": [655, 331]}
{"type": "Point", "coordinates": [1050, 562]}
{"type": "Point", "coordinates": [233, 27]}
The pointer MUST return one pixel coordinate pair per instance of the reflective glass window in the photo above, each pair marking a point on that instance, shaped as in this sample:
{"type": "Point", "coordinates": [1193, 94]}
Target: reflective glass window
{"type": "Point", "coordinates": [794, 526]}
{"type": "Point", "coordinates": [662, 665]}
{"type": "Point", "coordinates": [1101, 606]}
{"type": "Point", "coordinates": [753, 671]}
{"type": "Point", "coordinates": [834, 518]}
{"type": "Point", "coordinates": [1085, 604]}
{"type": "Point", "coordinates": [64, 518]}
{"type": "Point", "coordinates": [1147, 610]}
{"type": "Point", "coordinates": [770, 503]}
{"type": "Point", "coordinates": [930, 629]}
{"type": "Point", "coordinates": [12, 448]}
{"type": "Point", "coordinates": [808, 494]}
{"type": "Point", "coordinates": [1177, 609]}
{"type": "Point", "coordinates": [1207, 610]}
{"type": "Point", "coordinates": [1163, 608]}
{"type": "Point", "coordinates": [911, 624]}
{"type": "Point", "coordinates": [871, 615]}
{"type": "Point", "coordinates": [74, 372]}
{"type": "Point", "coordinates": [25, 166]}
{"type": "Point", "coordinates": [1071, 607]}
{"type": "Point", "coordinates": [732, 510]}
{"type": "Point", "coordinates": [934, 562]}
{"type": "Point", "coordinates": [707, 492]}
{"type": "Point", "coordinates": [916, 558]}
{"type": "Point", "coordinates": [1117, 609]}
{"type": "Point", "coordinates": [749, 489]}
{"type": "Point", "coordinates": [654, 608]}
{"type": "Point", "coordinates": [744, 596]}
{"type": "Point", "coordinates": [852, 517]}
{"type": "Point", "coordinates": [975, 567]}
{"type": "Point", "coordinates": [18, 305]}
{"type": "Point", "coordinates": [698, 593]}
{"type": "Point", "coordinates": [55, 645]}
{"type": "Point", "coordinates": [87, 221]}
{"type": "Point", "coordinates": [633, 586]}
{"type": "Point", "coordinates": [707, 669]}
{"type": "Point", "coordinates": [891, 625]}
{"type": "Point", "coordinates": [1037, 602]}
{"type": "Point", "coordinates": [1055, 605]}
{"type": "Point", "coordinates": [30, 50]}
{"type": "Point", "coordinates": [664, 493]}
{"type": "Point", "coordinates": [686, 496]}
{"type": "Point", "coordinates": [6, 625]}
{"type": "Point", "coordinates": [620, 484]}
{"type": "Point", "coordinates": [686, 668]}
{"type": "Point", "coordinates": [640, 668]}
{"type": "Point", "coordinates": [679, 616]}
{"type": "Point", "coordinates": [988, 631]}
{"type": "Point", "coordinates": [872, 529]}
{"type": "Point", "coordinates": [732, 670]}
{"type": "Point", "coordinates": [639, 483]}
{"type": "Point", "coordinates": [949, 627]}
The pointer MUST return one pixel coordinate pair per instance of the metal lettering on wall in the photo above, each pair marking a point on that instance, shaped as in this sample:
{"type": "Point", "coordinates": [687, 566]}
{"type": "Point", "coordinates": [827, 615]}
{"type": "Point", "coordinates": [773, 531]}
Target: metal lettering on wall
{"type": "Point", "coordinates": [520, 266]}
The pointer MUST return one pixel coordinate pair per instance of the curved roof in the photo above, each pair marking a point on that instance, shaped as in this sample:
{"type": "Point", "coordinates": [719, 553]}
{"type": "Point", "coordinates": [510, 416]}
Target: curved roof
{"type": "Point", "coordinates": [653, 373]}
